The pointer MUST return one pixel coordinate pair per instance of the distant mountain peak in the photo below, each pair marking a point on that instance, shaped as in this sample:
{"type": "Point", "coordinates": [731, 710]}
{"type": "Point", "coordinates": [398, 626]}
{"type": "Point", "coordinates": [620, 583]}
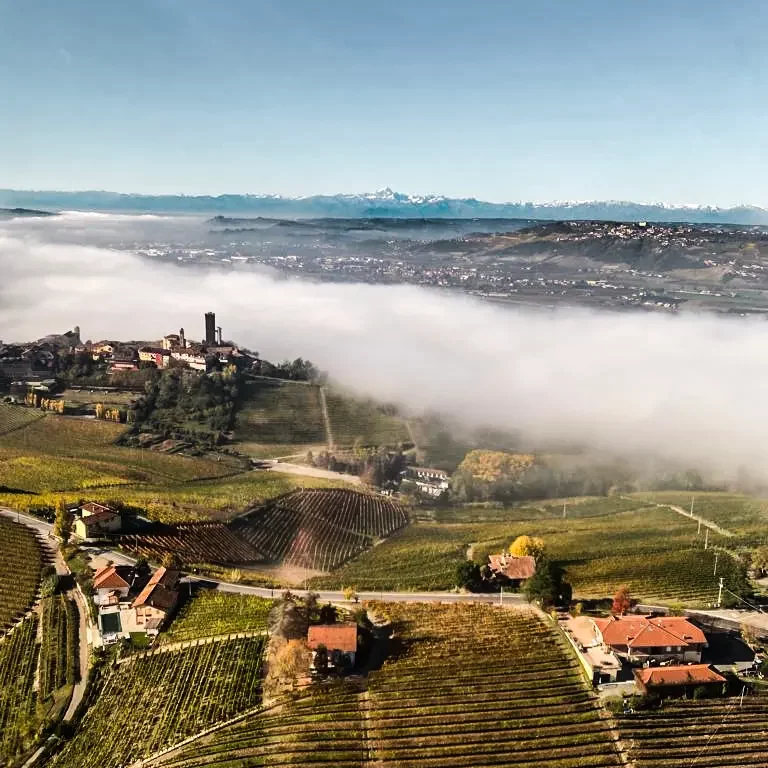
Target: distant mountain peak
{"type": "Point", "coordinates": [383, 203]}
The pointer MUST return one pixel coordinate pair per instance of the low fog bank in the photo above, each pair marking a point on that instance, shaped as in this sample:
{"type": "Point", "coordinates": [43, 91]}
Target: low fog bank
{"type": "Point", "coordinates": [688, 390]}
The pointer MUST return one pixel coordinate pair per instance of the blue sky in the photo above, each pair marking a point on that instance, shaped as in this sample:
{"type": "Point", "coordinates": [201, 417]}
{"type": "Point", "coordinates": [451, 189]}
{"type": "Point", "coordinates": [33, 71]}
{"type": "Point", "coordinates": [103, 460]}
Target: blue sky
{"type": "Point", "coordinates": [498, 100]}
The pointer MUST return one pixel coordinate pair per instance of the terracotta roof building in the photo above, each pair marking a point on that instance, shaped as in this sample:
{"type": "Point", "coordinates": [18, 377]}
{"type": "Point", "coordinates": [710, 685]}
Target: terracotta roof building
{"type": "Point", "coordinates": [515, 569]}
{"type": "Point", "coordinates": [339, 641]}
{"type": "Point", "coordinates": [677, 680]}
{"type": "Point", "coordinates": [113, 577]}
{"type": "Point", "coordinates": [641, 637]}
{"type": "Point", "coordinates": [335, 637]}
{"type": "Point", "coordinates": [96, 519]}
{"type": "Point", "coordinates": [160, 591]}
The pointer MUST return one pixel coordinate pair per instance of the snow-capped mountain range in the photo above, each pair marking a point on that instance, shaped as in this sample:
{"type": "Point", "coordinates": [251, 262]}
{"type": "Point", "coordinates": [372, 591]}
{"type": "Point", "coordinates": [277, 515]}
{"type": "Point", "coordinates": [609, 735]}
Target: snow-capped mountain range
{"type": "Point", "coordinates": [383, 203]}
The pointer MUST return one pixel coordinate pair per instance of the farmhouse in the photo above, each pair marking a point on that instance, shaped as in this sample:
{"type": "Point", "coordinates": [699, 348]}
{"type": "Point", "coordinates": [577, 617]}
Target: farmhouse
{"type": "Point", "coordinates": [94, 520]}
{"type": "Point", "coordinates": [641, 638]}
{"type": "Point", "coordinates": [432, 482]}
{"type": "Point", "coordinates": [510, 569]}
{"type": "Point", "coordinates": [156, 601]}
{"type": "Point", "coordinates": [339, 641]}
{"type": "Point", "coordinates": [678, 681]}
{"type": "Point", "coordinates": [130, 602]}
{"type": "Point", "coordinates": [112, 584]}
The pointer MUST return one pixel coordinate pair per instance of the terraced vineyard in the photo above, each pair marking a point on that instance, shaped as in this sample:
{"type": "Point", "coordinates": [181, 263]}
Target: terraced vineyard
{"type": "Point", "coordinates": [319, 728]}
{"type": "Point", "coordinates": [59, 659]}
{"type": "Point", "coordinates": [281, 413]}
{"type": "Point", "coordinates": [479, 685]}
{"type": "Point", "coordinates": [716, 733]}
{"type": "Point", "coordinates": [158, 699]}
{"type": "Point", "coordinates": [194, 543]}
{"type": "Point", "coordinates": [319, 529]}
{"type": "Point", "coordinates": [364, 421]}
{"type": "Point", "coordinates": [14, 417]}
{"type": "Point", "coordinates": [421, 556]}
{"type": "Point", "coordinates": [466, 686]}
{"type": "Point", "coordinates": [18, 660]}
{"type": "Point", "coordinates": [211, 612]}
{"type": "Point", "coordinates": [20, 563]}
{"type": "Point", "coordinates": [686, 576]}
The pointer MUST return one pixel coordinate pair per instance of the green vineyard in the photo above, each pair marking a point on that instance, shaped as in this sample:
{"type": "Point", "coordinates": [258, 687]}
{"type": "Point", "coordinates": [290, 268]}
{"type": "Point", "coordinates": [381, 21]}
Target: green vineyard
{"type": "Point", "coordinates": [211, 613]}
{"type": "Point", "coordinates": [464, 686]}
{"type": "Point", "coordinates": [18, 720]}
{"type": "Point", "coordinates": [59, 657]}
{"type": "Point", "coordinates": [155, 700]}
{"type": "Point", "coordinates": [20, 561]}
{"type": "Point", "coordinates": [287, 414]}
{"type": "Point", "coordinates": [13, 417]}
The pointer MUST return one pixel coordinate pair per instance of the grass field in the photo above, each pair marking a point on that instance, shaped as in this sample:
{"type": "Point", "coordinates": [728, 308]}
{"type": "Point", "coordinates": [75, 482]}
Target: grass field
{"type": "Point", "coordinates": [91, 440]}
{"type": "Point", "coordinates": [744, 516]}
{"type": "Point", "coordinates": [464, 686]}
{"type": "Point", "coordinates": [20, 564]}
{"type": "Point", "coordinates": [91, 397]}
{"type": "Point", "coordinates": [717, 733]}
{"type": "Point", "coordinates": [365, 421]}
{"type": "Point", "coordinates": [210, 613]}
{"type": "Point", "coordinates": [281, 413]}
{"type": "Point", "coordinates": [158, 699]}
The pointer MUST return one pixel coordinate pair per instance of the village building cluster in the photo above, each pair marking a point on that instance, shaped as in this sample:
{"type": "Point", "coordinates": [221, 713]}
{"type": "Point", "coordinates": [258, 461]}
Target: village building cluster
{"type": "Point", "coordinates": [38, 362]}
{"type": "Point", "coordinates": [663, 654]}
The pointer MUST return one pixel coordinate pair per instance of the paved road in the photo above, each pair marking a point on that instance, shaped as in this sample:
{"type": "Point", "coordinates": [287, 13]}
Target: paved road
{"type": "Point", "coordinates": [506, 598]}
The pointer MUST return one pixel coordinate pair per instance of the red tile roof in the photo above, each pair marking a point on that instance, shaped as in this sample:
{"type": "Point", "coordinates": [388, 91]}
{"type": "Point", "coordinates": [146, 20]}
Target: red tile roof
{"type": "Point", "coordinates": [335, 637]}
{"type": "Point", "coordinates": [94, 508]}
{"type": "Point", "coordinates": [157, 596]}
{"type": "Point", "coordinates": [513, 567]}
{"type": "Point", "coordinates": [98, 517]}
{"type": "Point", "coordinates": [649, 632]}
{"type": "Point", "coordinates": [109, 578]}
{"type": "Point", "coordinates": [165, 577]}
{"type": "Point", "coordinates": [693, 674]}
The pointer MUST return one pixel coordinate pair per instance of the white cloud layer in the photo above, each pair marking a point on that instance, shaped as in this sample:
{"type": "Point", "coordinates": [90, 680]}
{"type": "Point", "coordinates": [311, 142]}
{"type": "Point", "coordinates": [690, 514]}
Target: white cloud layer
{"type": "Point", "coordinates": [687, 389]}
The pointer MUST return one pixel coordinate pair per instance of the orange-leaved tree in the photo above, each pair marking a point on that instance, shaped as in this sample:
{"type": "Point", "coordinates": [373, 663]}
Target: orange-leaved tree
{"type": "Point", "coordinates": [622, 601]}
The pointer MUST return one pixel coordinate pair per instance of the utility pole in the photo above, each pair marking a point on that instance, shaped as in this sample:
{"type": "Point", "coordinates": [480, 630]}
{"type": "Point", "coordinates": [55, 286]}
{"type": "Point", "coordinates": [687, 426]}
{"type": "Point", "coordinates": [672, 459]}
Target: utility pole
{"type": "Point", "coordinates": [720, 592]}
{"type": "Point", "coordinates": [565, 513]}
{"type": "Point", "coordinates": [741, 699]}
{"type": "Point", "coordinates": [715, 571]}
{"type": "Point", "coordinates": [706, 539]}
{"type": "Point", "coordinates": [698, 532]}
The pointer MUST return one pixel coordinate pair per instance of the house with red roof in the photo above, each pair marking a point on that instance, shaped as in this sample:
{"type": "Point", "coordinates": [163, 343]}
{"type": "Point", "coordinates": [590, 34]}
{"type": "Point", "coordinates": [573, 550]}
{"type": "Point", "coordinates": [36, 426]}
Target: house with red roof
{"type": "Point", "coordinates": [338, 640]}
{"type": "Point", "coordinates": [679, 681]}
{"type": "Point", "coordinates": [642, 638]}
{"type": "Point", "coordinates": [93, 520]}
{"type": "Point", "coordinates": [130, 600]}
{"type": "Point", "coordinates": [157, 600]}
{"type": "Point", "coordinates": [511, 569]}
